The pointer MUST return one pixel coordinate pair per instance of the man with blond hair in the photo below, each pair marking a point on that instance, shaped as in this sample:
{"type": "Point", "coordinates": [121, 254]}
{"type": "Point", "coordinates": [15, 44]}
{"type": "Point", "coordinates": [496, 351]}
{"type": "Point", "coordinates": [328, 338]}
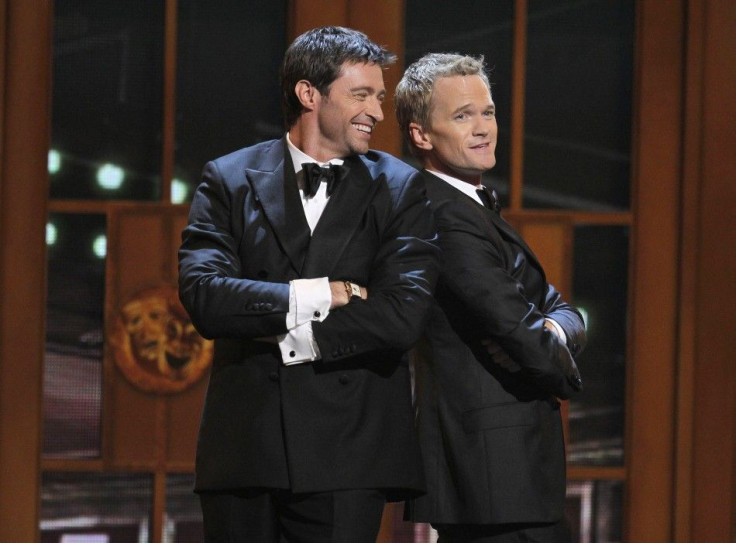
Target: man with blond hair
{"type": "Point", "coordinates": [498, 350]}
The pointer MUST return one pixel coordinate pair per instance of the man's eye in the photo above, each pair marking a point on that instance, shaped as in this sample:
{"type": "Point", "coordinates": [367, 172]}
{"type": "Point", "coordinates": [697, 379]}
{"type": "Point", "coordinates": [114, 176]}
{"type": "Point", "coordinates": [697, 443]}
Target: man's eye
{"type": "Point", "coordinates": [490, 113]}
{"type": "Point", "coordinates": [461, 116]}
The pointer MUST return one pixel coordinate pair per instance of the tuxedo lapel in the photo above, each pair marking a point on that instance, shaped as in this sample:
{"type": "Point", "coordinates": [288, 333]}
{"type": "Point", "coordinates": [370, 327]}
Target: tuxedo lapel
{"type": "Point", "coordinates": [490, 218]}
{"type": "Point", "coordinates": [340, 218]}
{"type": "Point", "coordinates": [507, 231]}
{"type": "Point", "coordinates": [276, 190]}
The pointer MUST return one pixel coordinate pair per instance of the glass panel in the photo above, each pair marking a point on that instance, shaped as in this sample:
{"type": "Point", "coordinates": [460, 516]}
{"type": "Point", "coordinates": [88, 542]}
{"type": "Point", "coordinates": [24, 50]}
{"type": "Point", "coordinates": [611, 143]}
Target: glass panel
{"type": "Point", "coordinates": [473, 28]}
{"type": "Point", "coordinates": [227, 93]}
{"type": "Point", "coordinates": [578, 104]}
{"type": "Point", "coordinates": [95, 508]}
{"type": "Point", "coordinates": [600, 288]}
{"type": "Point", "coordinates": [183, 514]}
{"type": "Point", "coordinates": [76, 249]}
{"type": "Point", "coordinates": [107, 96]}
{"type": "Point", "coordinates": [594, 510]}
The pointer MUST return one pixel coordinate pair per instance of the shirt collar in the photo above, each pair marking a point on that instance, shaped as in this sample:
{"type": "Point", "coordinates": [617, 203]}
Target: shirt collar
{"type": "Point", "coordinates": [462, 186]}
{"type": "Point", "coordinates": [299, 157]}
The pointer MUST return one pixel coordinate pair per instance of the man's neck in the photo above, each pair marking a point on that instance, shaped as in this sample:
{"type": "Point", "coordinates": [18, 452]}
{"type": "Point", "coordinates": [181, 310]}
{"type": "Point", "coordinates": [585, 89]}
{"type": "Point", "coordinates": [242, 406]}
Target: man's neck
{"type": "Point", "coordinates": [470, 180]}
{"type": "Point", "coordinates": [305, 137]}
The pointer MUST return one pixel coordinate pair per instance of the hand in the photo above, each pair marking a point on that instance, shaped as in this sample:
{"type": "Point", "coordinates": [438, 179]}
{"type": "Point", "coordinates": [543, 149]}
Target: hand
{"type": "Point", "coordinates": [555, 331]}
{"type": "Point", "coordinates": [500, 357]}
{"type": "Point", "coordinates": [340, 294]}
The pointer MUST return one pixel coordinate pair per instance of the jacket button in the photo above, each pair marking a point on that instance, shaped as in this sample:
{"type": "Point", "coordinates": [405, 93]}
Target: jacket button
{"type": "Point", "coordinates": [344, 379]}
{"type": "Point", "coordinates": [273, 376]}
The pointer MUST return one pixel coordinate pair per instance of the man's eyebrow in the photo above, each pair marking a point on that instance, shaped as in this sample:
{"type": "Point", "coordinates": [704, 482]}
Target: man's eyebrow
{"type": "Point", "coordinates": [461, 108]}
{"type": "Point", "coordinates": [367, 88]}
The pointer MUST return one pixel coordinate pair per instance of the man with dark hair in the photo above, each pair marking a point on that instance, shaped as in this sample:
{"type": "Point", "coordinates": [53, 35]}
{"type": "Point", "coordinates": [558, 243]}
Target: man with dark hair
{"type": "Point", "coordinates": [498, 349]}
{"type": "Point", "coordinates": [310, 260]}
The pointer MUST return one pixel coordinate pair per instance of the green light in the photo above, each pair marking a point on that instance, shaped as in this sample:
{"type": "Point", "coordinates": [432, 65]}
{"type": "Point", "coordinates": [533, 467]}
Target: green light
{"type": "Point", "coordinates": [99, 246]}
{"type": "Point", "coordinates": [110, 177]}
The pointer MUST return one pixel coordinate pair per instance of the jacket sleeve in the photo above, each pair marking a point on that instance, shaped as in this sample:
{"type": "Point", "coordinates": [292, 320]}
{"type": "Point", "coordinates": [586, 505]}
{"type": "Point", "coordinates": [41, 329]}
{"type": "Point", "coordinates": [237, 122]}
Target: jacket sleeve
{"type": "Point", "coordinates": [220, 302]}
{"type": "Point", "coordinates": [400, 289]}
{"type": "Point", "coordinates": [475, 274]}
{"type": "Point", "coordinates": [568, 318]}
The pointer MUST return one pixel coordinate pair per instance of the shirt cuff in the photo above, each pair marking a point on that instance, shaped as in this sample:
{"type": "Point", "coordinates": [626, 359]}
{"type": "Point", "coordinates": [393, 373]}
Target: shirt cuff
{"type": "Point", "coordinates": [298, 345]}
{"type": "Point", "coordinates": [560, 332]}
{"type": "Point", "coordinates": [309, 300]}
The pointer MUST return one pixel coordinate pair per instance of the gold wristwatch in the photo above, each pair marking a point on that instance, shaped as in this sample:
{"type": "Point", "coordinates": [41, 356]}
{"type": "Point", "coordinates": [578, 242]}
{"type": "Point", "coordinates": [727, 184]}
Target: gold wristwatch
{"type": "Point", "coordinates": [353, 290]}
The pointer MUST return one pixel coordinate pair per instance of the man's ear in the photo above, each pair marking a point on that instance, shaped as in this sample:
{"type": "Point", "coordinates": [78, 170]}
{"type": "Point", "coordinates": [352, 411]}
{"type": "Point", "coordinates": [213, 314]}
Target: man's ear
{"type": "Point", "coordinates": [419, 137]}
{"type": "Point", "coordinates": [306, 93]}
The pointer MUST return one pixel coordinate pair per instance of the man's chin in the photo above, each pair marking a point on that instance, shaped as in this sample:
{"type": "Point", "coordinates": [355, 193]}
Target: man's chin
{"type": "Point", "coordinates": [360, 148]}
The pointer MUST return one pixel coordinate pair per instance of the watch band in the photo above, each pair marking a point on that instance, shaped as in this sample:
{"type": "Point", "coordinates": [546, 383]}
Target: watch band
{"type": "Point", "coordinates": [352, 290]}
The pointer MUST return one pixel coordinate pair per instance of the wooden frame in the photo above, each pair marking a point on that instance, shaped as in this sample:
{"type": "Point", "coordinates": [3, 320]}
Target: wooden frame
{"type": "Point", "coordinates": [25, 115]}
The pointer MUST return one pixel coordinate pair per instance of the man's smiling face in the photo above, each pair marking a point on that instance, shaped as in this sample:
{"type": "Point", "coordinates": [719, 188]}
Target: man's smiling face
{"type": "Point", "coordinates": [461, 138]}
{"type": "Point", "coordinates": [348, 113]}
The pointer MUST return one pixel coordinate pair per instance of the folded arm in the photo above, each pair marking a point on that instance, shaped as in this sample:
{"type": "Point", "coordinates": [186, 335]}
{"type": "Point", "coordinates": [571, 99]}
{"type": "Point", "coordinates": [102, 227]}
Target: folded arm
{"type": "Point", "coordinates": [401, 283]}
{"type": "Point", "coordinates": [474, 272]}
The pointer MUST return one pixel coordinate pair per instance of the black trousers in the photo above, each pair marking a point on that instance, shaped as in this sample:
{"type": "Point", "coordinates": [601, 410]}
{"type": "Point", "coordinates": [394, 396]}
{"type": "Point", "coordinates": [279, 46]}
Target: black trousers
{"type": "Point", "coordinates": [281, 516]}
{"type": "Point", "coordinates": [504, 533]}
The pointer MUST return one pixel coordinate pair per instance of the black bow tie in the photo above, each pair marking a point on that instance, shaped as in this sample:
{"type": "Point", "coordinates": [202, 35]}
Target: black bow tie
{"type": "Point", "coordinates": [489, 197]}
{"type": "Point", "coordinates": [314, 174]}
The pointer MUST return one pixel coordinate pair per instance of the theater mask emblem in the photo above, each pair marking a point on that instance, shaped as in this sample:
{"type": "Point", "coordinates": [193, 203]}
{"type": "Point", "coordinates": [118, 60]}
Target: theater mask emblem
{"type": "Point", "coordinates": [155, 345]}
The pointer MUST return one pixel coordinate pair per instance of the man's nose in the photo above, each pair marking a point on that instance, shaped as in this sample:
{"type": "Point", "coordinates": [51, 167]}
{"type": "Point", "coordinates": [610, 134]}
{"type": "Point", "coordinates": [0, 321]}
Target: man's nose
{"type": "Point", "coordinates": [375, 110]}
{"type": "Point", "coordinates": [482, 126]}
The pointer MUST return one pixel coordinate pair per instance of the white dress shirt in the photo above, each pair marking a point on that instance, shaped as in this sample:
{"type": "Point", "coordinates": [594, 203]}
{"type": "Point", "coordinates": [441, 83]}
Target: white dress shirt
{"type": "Point", "coordinates": [309, 299]}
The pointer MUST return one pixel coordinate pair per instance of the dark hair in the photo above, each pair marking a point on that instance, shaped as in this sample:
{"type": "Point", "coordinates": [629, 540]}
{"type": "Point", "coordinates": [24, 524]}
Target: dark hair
{"type": "Point", "coordinates": [317, 56]}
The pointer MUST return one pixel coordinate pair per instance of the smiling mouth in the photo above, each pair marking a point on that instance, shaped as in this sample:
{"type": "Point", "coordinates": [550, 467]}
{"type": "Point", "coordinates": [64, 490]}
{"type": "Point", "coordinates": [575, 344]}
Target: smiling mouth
{"type": "Point", "coordinates": [363, 128]}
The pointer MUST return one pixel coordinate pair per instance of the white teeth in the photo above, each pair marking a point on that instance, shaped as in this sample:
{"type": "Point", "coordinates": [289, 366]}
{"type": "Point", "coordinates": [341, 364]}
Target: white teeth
{"type": "Point", "coordinates": [363, 128]}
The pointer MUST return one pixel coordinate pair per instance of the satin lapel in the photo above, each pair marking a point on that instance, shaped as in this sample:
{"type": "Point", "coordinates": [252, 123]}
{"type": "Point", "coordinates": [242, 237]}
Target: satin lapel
{"type": "Point", "coordinates": [507, 231]}
{"type": "Point", "coordinates": [340, 218]}
{"type": "Point", "coordinates": [278, 194]}
{"type": "Point", "coordinates": [490, 218]}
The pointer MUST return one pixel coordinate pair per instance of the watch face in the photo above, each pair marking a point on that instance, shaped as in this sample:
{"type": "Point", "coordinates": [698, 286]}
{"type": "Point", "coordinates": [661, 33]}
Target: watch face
{"type": "Point", "coordinates": [355, 290]}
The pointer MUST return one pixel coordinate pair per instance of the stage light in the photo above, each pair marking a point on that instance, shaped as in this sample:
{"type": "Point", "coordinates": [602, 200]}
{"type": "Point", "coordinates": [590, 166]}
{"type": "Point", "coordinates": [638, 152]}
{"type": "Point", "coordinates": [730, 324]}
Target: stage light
{"type": "Point", "coordinates": [54, 161]}
{"type": "Point", "coordinates": [179, 191]}
{"type": "Point", "coordinates": [586, 317]}
{"type": "Point", "coordinates": [52, 233]}
{"type": "Point", "coordinates": [99, 246]}
{"type": "Point", "coordinates": [110, 177]}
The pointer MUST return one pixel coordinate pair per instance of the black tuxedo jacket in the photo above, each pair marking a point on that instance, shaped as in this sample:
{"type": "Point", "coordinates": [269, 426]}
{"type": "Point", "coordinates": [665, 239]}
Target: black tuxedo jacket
{"type": "Point", "coordinates": [346, 420]}
{"type": "Point", "coordinates": [491, 438]}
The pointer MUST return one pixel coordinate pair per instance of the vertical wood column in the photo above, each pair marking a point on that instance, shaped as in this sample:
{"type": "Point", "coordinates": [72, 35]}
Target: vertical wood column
{"type": "Point", "coordinates": [711, 182]}
{"type": "Point", "coordinates": [25, 113]}
{"type": "Point", "coordinates": [654, 308]}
